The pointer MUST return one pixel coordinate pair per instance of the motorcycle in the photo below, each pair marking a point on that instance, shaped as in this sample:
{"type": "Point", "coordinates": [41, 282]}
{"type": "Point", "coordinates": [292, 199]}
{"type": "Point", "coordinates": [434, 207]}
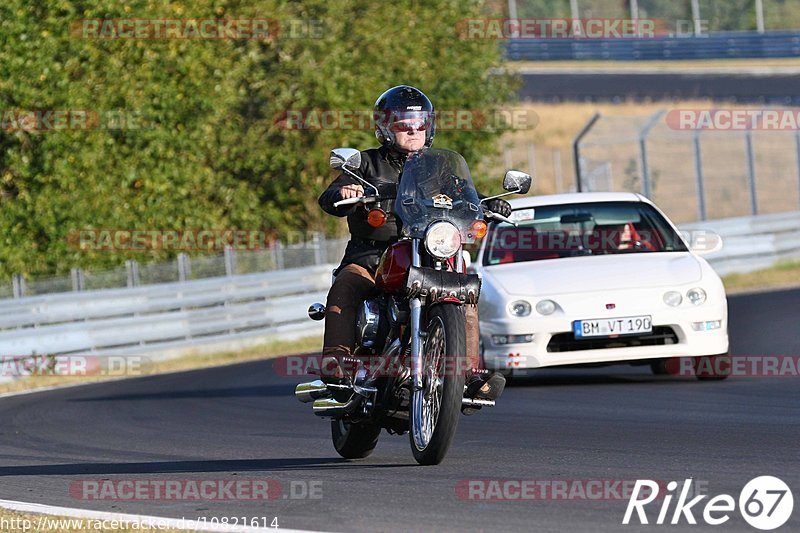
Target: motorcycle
{"type": "Point", "coordinates": [408, 368]}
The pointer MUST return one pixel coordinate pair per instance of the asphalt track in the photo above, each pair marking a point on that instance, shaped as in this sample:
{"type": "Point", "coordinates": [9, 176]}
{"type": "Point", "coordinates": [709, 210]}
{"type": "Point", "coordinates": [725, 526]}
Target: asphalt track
{"type": "Point", "coordinates": [241, 422]}
{"type": "Point", "coordinates": [769, 88]}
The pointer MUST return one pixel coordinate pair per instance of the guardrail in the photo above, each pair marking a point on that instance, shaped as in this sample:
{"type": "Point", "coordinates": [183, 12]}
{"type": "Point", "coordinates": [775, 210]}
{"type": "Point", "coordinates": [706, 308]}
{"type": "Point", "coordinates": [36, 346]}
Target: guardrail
{"type": "Point", "coordinates": [174, 316]}
{"type": "Point", "coordinates": [166, 316]}
{"type": "Point", "coordinates": [752, 243]}
{"type": "Point", "coordinates": [723, 45]}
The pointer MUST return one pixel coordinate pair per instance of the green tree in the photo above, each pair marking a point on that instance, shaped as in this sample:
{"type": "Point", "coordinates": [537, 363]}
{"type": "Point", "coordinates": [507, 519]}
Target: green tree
{"type": "Point", "coordinates": [202, 144]}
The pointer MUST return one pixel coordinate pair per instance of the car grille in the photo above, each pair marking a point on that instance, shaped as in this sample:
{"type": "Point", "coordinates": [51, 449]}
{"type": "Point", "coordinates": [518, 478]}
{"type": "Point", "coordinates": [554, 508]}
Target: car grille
{"type": "Point", "coordinates": [566, 342]}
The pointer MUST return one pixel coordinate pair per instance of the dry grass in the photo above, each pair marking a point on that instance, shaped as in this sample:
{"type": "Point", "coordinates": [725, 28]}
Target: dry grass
{"type": "Point", "coordinates": [783, 275]}
{"type": "Point", "coordinates": [613, 145]}
{"type": "Point", "coordinates": [189, 362]}
{"type": "Point", "coordinates": [16, 522]}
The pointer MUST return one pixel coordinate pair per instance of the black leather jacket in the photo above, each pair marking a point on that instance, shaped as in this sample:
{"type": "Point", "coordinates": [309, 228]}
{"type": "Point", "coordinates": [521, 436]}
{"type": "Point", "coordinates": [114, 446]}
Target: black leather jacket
{"type": "Point", "coordinates": [380, 167]}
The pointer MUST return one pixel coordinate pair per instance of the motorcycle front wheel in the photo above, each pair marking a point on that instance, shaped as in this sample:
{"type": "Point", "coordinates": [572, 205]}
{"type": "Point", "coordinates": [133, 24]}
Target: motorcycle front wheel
{"type": "Point", "coordinates": [436, 409]}
{"type": "Point", "coordinates": [354, 441]}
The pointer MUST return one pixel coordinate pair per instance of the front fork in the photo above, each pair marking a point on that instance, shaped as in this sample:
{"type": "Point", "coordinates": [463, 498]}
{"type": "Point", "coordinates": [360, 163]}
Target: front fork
{"type": "Point", "coordinates": [416, 318]}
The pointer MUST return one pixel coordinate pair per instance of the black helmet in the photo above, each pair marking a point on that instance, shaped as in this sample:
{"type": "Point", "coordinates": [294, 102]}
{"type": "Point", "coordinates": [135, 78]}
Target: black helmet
{"type": "Point", "coordinates": [402, 103]}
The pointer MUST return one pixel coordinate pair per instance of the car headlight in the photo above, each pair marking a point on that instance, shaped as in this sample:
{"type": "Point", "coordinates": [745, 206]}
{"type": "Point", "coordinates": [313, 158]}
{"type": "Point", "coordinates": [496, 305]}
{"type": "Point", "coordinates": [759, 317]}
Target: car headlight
{"type": "Point", "coordinates": [673, 298]}
{"type": "Point", "coordinates": [442, 240]}
{"type": "Point", "coordinates": [546, 307]}
{"type": "Point", "coordinates": [519, 308]}
{"type": "Point", "coordinates": [697, 296]}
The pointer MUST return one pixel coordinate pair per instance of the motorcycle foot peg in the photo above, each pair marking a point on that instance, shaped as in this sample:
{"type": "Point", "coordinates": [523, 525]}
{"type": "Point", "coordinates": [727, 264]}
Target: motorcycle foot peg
{"type": "Point", "coordinates": [474, 402]}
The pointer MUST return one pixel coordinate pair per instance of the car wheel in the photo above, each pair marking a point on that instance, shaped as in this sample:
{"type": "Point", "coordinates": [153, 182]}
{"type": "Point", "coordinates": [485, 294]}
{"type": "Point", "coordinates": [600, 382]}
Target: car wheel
{"type": "Point", "coordinates": [667, 366]}
{"type": "Point", "coordinates": [712, 367]}
{"type": "Point", "coordinates": [505, 372]}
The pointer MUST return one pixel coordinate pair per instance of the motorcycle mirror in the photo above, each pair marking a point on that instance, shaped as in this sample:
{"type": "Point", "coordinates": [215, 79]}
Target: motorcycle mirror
{"type": "Point", "coordinates": [517, 181]}
{"type": "Point", "coordinates": [349, 158]}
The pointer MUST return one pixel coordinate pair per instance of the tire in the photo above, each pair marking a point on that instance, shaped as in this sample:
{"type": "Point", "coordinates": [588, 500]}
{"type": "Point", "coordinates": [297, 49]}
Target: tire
{"type": "Point", "coordinates": [445, 348]}
{"type": "Point", "coordinates": [708, 368]}
{"type": "Point", "coordinates": [669, 366]}
{"type": "Point", "coordinates": [354, 441]}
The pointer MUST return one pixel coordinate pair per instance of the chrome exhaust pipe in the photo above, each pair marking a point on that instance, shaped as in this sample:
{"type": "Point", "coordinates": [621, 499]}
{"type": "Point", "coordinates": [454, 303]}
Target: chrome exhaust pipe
{"type": "Point", "coordinates": [311, 391]}
{"type": "Point", "coordinates": [334, 408]}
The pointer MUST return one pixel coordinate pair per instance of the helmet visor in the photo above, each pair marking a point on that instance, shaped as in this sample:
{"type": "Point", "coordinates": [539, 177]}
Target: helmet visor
{"type": "Point", "coordinates": [404, 120]}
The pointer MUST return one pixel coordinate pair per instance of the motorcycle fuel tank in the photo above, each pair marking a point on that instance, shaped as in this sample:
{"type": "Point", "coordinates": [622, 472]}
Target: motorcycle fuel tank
{"type": "Point", "coordinates": [393, 269]}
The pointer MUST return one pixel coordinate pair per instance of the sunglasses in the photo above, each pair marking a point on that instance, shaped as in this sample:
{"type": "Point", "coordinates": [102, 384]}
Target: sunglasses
{"type": "Point", "coordinates": [409, 126]}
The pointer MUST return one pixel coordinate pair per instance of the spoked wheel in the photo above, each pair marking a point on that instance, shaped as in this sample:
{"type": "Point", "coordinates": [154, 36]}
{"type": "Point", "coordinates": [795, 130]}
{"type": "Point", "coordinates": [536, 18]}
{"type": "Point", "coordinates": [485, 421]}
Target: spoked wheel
{"type": "Point", "coordinates": [354, 441]}
{"type": "Point", "coordinates": [435, 410]}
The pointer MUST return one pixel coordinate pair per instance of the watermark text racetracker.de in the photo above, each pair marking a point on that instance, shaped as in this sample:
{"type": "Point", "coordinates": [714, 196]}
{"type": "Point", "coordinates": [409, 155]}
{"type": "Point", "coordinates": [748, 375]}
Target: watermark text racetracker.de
{"type": "Point", "coordinates": [476, 120]}
{"type": "Point", "coordinates": [734, 119]}
{"type": "Point", "coordinates": [60, 120]}
{"type": "Point", "coordinates": [534, 28]}
{"type": "Point", "coordinates": [261, 29]}
{"type": "Point", "coordinates": [73, 365]}
{"type": "Point", "coordinates": [519, 490]}
{"type": "Point", "coordinates": [201, 489]}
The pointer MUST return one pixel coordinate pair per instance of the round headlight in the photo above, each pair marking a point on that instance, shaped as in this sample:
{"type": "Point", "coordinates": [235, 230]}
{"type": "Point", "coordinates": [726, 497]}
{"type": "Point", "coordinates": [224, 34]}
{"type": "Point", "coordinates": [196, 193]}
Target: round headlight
{"type": "Point", "coordinates": [520, 308]}
{"type": "Point", "coordinates": [697, 296]}
{"type": "Point", "coordinates": [673, 298]}
{"type": "Point", "coordinates": [442, 240]}
{"type": "Point", "coordinates": [546, 307]}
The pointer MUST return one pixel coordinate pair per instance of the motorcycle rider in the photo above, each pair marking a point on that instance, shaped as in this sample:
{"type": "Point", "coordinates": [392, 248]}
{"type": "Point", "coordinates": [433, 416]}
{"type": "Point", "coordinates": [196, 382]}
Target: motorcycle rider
{"type": "Point", "coordinates": [404, 124]}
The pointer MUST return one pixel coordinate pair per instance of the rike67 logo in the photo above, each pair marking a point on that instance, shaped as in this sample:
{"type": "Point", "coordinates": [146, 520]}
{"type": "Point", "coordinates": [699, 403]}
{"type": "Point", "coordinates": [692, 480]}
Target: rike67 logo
{"type": "Point", "coordinates": [765, 503]}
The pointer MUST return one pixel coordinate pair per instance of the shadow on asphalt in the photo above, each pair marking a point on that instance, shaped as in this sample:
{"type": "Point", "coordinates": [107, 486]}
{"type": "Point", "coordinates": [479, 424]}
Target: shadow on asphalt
{"type": "Point", "coordinates": [227, 392]}
{"type": "Point", "coordinates": [164, 467]}
{"type": "Point", "coordinates": [558, 378]}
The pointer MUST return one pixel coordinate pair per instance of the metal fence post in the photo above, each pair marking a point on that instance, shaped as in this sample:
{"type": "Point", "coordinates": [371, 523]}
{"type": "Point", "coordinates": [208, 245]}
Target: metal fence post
{"type": "Point", "coordinates": [751, 172]}
{"type": "Point", "coordinates": [576, 151]}
{"type": "Point", "coordinates": [184, 267]}
{"type": "Point", "coordinates": [760, 16]}
{"type": "Point", "coordinates": [77, 279]}
{"type": "Point", "coordinates": [229, 255]}
{"type": "Point", "coordinates": [532, 159]}
{"type": "Point", "coordinates": [557, 170]}
{"type": "Point", "coordinates": [132, 268]}
{"type": "Point", "coordinates": [18, 285]}
{"type": "Point", "coordinates": [646, 185]}
{"type": "Point", "coordinates": [698, 165]}
{"type": "Point", "coordinates": [797, 146]}
{"type": "Point", "coordinates": [278, 255]}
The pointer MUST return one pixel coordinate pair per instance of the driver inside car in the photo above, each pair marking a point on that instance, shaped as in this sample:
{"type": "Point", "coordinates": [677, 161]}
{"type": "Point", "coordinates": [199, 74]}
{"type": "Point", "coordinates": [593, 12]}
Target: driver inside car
{"type": "Point", "coordinates": [404, 124]}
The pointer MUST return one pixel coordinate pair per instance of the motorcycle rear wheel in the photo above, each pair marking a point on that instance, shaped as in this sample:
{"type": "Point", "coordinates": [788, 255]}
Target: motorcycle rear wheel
{"type": "Point", "coordinates": [436, 409]}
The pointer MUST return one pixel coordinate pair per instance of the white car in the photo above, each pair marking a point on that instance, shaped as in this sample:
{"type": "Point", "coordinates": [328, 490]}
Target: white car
{"type": "Point", "coordinates": [594, 278]}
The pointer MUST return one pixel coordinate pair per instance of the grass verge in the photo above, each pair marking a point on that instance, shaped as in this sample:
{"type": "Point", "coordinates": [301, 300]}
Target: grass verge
{"type": "Point", "coordinates": [188, 362]}
{"type": "Point", "coordinates": [17, 522]}
{"type": "Point", "coordinates": [784, 275]}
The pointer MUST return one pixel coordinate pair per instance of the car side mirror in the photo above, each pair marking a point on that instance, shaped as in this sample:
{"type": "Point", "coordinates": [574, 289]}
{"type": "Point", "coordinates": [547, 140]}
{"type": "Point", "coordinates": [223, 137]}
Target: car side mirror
{"type": "Point", "coordinates": [348, 158]}
{"type": "Point", "coordinates": [517, 181]}
{"type": "Point", "coordinates": [704, 242]}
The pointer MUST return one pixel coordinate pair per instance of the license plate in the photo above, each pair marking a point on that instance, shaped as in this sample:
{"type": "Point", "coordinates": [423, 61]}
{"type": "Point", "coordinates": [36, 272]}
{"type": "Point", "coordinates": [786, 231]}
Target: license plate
{"type": "Point", "coordinates": [611, 327]}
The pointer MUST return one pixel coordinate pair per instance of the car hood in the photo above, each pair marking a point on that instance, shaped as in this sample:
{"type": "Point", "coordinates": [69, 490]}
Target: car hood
{"type": "Point", "coordinates": [598, 273]}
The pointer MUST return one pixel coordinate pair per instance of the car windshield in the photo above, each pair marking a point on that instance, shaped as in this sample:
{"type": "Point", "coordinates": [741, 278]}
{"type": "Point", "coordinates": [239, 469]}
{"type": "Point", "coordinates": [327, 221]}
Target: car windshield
{"type": "Point", "coordinates": [586, 229]}
{"type": "Point", "coordinates": [436, 185]}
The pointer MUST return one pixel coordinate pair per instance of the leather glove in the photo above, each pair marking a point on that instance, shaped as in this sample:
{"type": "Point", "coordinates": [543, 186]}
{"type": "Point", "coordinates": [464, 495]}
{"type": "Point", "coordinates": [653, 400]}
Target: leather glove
{"type": "Point", "coordinates": [499, 206]}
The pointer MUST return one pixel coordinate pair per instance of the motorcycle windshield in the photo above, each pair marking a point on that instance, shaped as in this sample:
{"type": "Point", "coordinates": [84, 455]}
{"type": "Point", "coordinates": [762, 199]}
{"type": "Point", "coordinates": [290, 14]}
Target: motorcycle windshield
{"type": "Point", "coordinates": [436, 185]}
